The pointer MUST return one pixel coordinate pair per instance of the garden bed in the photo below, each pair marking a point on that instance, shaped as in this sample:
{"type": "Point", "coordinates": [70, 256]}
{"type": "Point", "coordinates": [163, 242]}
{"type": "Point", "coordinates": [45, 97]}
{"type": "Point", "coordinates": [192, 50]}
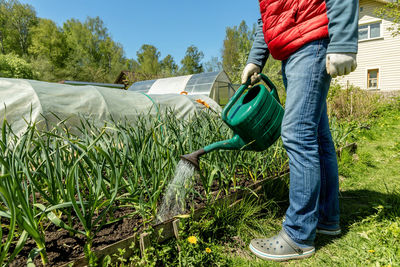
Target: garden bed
{"type": "Point", "coordinates": [62, 195]}
{"type": "Point", "coordinates": [66, 250]}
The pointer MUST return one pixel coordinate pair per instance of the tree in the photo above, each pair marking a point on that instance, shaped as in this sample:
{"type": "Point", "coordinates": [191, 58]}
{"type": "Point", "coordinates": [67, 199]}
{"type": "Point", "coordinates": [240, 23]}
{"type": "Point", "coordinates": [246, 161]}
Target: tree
{"type": "Point", "coordinates": [133, 65]}
{"type": "Point", "coordinates": [92, 54]}
{"type": "Point", "coordinates": [148, 58]}
{"type": "Point", "coordinates": [236, 47]}
{"type": "Point", "coordinates": [3, 24]}
{"type": "Point", "coordinates": [112, 58]}
{"type": "Point", "coordinates": [191, 63]}
{"type": "Point", "coordinates": [168, 67]}
{"type": "Point", "coordinates": [77, 38]}
{"type": "Point", "coordinates": [391, 11]}
{"type": "Point", "coordinates": [213, 65]}
{"type": "Point", "coordinates": [77, 51]}
{"type": "Point", "coordinates": [16, 22]}
{"type": "Point", "coordinates": [48, 42]}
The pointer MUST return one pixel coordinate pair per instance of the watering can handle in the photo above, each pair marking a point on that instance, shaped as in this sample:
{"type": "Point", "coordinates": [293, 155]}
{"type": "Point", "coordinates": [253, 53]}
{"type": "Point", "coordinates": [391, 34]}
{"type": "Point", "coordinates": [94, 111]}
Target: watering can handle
{"type": "Point", "coordinates": [234, 98]}
{"type": "Point", "coordinates": [243, 87]}
{"type": "Point", "coordinates": [272, 87]}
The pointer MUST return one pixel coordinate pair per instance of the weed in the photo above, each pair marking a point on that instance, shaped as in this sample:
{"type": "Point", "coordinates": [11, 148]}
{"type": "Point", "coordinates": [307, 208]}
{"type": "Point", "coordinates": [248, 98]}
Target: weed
{"type": "Point", "coordinates": [341, 131]}
{"type": "Point", "coordinates": [352, 103]}
{"type": "Point", "coordinates": [222, 221]}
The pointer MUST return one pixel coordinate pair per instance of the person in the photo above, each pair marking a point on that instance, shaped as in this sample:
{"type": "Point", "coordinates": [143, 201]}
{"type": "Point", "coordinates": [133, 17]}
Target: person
{"type": "Point", "coordinates": [315, 40]}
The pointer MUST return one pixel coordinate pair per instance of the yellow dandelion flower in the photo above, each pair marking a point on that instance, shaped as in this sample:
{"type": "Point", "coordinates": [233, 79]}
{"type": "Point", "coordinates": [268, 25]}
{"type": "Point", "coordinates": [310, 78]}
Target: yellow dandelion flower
{"type": "Point", "coordinates": [371, 251]}
{"type": "Point", "coordinates": [208, 250]}
{"type": "Point", "coordinates": [192, 239]}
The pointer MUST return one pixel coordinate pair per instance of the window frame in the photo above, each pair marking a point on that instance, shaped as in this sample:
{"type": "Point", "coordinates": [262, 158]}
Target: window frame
{"type": "Point", "coordinates": [378, 78]}
{"type": "Point", "coordinates": [368, 24]}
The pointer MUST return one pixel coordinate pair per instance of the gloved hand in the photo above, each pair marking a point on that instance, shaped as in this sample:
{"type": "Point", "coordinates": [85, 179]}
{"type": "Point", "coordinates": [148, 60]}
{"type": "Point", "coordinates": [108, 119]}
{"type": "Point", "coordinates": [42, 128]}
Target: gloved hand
{"type": "Point", "coordinates": [338, 64]}
{"type": "Point", "coordinates": [251, 70]}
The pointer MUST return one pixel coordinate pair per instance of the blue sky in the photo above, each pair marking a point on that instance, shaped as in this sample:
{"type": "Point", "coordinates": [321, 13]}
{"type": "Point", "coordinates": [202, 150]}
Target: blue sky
{"type": "Point", "coordinates": [171, 26]}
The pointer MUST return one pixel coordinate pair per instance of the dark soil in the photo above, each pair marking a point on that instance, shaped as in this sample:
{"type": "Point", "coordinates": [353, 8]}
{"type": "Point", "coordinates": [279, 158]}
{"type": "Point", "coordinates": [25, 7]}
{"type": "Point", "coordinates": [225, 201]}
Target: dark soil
{"type": "Point", "coordinates": [62, 248]}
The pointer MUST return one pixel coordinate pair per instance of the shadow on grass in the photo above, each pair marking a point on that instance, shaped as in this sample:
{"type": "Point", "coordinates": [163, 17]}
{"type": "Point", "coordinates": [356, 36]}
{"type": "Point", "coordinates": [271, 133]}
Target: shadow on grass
{"type": "Point", "coordinates": [357, 205]}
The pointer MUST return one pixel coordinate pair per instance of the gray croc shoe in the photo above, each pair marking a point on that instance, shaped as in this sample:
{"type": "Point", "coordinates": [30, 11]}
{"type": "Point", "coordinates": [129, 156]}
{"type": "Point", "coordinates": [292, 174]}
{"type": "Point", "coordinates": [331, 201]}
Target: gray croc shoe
{"type": "Point", "coordinates": [279, 248]}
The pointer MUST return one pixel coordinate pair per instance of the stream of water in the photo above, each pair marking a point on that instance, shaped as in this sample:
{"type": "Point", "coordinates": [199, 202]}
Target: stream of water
{"type": "Point", "coordinates": [174, 201]}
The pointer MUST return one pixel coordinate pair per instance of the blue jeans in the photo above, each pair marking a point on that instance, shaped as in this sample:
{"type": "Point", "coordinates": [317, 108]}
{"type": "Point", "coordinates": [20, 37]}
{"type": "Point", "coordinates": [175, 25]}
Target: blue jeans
{"type": "Point", "coordinates": [314, 183]}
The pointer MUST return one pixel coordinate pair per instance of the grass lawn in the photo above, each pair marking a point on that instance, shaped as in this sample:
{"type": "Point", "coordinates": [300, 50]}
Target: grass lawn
{"type": "Point", "coordinates": [369, 202]}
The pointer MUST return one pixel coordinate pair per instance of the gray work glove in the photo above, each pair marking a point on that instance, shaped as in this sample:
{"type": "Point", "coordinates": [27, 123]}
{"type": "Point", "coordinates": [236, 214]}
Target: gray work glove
{"type": "Point", "coordinates": [338, 64]}
{"type": "Point", "coordinates": [251, 71]}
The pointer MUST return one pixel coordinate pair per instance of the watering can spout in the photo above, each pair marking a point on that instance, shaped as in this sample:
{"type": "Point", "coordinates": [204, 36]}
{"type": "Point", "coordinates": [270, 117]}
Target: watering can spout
{"type": "Point", "coordinates": [193, 157]}
{"type": "Point", "coordinates": [234, 143]}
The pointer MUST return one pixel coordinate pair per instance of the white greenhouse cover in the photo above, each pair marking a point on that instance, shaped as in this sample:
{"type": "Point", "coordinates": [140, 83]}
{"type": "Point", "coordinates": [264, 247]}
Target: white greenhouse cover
{"type": "Point", "coordinates": [215, 85]}
{"type": "Point", "coordinates": [46, 103]}
{"type": "Point", "coordinates": [174, 85]}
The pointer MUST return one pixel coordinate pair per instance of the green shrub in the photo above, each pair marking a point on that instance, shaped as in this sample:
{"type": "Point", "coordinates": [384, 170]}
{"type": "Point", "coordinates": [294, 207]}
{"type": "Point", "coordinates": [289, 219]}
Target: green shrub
{"type": "Point", "coordinates": [11, 66]}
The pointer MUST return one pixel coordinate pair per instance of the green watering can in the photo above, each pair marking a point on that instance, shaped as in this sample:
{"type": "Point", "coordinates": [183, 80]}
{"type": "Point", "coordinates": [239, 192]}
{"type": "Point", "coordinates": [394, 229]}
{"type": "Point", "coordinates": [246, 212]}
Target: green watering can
{"type": "Point", "coordinates": [255, 117]}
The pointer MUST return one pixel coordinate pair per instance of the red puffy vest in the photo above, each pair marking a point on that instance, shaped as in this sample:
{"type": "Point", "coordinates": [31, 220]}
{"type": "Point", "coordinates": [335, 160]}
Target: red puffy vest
{"type": "Point", "coordinates": [290, 24]}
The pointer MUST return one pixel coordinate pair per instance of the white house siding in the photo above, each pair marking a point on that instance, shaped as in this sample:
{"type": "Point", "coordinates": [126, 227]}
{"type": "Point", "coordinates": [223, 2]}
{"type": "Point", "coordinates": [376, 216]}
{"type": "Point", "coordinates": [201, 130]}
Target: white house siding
{"type": "Point", "coordinates": [382, 54]}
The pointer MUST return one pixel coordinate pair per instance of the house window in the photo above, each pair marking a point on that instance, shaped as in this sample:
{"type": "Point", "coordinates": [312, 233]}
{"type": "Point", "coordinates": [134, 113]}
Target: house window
{"type": "Point", "coordinates": [373, 77]}
{"type": "Point", "coordinates": [369, 31]}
